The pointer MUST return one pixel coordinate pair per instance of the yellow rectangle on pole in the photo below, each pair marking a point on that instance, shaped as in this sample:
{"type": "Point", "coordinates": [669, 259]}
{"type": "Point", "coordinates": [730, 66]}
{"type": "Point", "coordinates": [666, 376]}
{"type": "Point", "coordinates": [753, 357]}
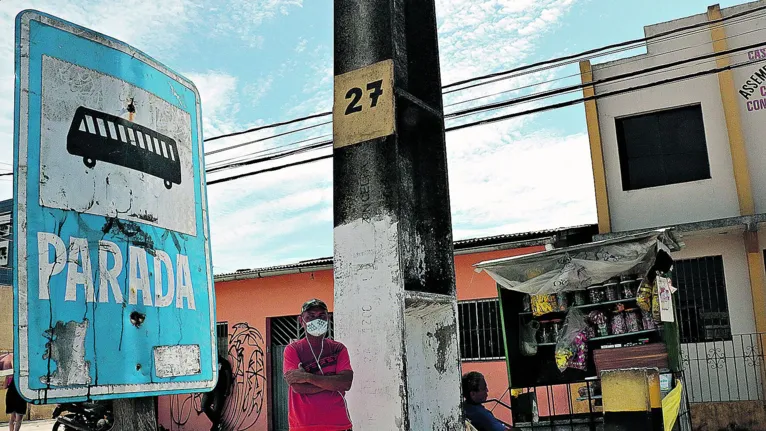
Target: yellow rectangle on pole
{"type": "Point", "coordinates": [363, 106]}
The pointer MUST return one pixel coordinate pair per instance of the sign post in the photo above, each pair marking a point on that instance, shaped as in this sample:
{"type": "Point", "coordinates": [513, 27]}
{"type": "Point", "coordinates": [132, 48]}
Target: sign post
{"type": "Point", "coordinates": [395, 305]}
{"type": "Point", "coordinates": [113, 289]}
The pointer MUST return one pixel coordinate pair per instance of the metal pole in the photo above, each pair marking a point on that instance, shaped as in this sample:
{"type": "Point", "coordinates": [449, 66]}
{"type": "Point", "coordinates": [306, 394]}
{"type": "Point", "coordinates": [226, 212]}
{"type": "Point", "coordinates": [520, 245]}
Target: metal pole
{"type": "Point", "coordinates": [395, 303]}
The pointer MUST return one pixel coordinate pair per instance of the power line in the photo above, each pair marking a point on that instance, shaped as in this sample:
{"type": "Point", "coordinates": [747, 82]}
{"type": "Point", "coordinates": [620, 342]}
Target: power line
{"type": "Point", "coordinates": [604, 48]}
{"type": "Point", "coordinates": [551, 93]}
{"type": "Point", "coordinates": [569, 89]}
{"type": "Point", "coordinates": [282, 155]}
{"type": "Point", "coordinates": [518, 114]}
{"type": "Point", "coordinates": [272, 150]}
{"type": "Point", "coordinates": [269, 126]}
{"type": "Point", "coordinates": [602, 95]}
{"type": "Point", "coordinates": [231, 147]}
{"type": "Point", "coordinates": [606, 66]}
{"type": "Point", "coordinates": [244, 161]}
{"type": "Point", "coordinates": [272, 169]}
{"type": "Point", "coordinates": [550, 63]}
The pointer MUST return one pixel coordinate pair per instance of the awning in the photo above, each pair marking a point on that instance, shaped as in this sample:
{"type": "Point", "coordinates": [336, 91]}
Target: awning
{"type": "Point", "coordinates": [580, 266]}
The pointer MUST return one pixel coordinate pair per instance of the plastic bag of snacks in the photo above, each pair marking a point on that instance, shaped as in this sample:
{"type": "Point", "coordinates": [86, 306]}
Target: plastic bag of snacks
{"type": "Point", "coordinates": [544, 304]}
{"type": "Point", "coordinates": [572, 343]}
{"type": "Point", "coordinates": [644, 296]}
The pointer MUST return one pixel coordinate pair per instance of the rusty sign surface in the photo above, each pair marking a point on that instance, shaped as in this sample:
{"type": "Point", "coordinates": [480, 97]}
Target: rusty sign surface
{"type": "Point", "coordinates": [113, 274]}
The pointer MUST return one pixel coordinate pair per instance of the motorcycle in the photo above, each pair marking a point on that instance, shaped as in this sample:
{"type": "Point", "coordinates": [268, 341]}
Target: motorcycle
{"type": "Point", "coordinates": [86, 416]}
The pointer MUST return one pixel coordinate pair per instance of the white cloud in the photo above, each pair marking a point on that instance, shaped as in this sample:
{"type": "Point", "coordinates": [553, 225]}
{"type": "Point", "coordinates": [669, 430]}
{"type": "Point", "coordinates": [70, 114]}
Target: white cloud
{"type": "Point", "coordinates": [302, 43]}
{"type": "Point", "coordinates": [505, 184]}
{"type": "Point", "coordinates": [218, 94]}
{"type": "Point", "coordinates": [479, 37]}
{"type": "Point", "coordinates": [244, 17]}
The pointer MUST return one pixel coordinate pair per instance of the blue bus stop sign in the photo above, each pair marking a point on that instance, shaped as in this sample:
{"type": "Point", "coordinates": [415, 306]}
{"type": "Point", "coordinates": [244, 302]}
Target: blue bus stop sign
{"type": "Point", "coordinates": [112, 275]}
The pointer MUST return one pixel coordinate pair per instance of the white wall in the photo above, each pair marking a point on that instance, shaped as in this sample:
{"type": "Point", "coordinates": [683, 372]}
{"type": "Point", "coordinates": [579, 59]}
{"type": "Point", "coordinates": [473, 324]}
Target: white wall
{"type": "Point", "coordinates": [677, 203]}
{"type": "Point", "coordinates": [731, 247]}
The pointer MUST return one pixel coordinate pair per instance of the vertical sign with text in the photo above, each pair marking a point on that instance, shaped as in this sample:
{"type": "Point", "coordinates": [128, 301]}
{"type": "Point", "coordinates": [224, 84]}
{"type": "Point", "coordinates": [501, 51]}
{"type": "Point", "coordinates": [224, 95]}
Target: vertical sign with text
{"type": "Point", "coordinates": [113, 273]}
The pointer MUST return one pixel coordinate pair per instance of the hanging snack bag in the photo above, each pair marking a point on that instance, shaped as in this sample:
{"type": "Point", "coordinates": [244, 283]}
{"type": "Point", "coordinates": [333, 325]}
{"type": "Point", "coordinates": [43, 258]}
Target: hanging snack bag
{"type": "Point", "coordinates": [572, 344]}
{"type": "Point", "coordinates": [544, 304]}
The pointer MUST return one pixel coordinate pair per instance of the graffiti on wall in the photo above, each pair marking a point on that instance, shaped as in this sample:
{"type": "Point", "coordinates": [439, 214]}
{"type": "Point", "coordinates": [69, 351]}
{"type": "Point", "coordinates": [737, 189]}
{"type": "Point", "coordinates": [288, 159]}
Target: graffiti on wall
{"type": "Point", "coordinates": [246, 396]}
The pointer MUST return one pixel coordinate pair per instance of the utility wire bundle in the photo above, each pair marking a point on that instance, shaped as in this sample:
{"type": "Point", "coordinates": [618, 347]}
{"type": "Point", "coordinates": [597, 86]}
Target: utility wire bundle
{"type": "Point", "coordinates": [479, 115]}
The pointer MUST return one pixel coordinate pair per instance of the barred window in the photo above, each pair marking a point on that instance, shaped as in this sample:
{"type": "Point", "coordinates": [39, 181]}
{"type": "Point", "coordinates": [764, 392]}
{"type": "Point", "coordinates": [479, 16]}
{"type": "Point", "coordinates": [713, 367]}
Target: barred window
{"type": "Point", "coordinates": [222, 337]}
{"type": "Point", "coordinates": [702, 304]}
{"type": "Point", "coordinates": [481, 336]}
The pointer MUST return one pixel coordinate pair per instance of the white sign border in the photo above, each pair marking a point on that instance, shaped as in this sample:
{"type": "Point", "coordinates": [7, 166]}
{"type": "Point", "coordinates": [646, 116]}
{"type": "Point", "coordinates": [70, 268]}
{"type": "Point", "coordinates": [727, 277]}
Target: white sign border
{"type": "Point", "coordinates": [21, 225]}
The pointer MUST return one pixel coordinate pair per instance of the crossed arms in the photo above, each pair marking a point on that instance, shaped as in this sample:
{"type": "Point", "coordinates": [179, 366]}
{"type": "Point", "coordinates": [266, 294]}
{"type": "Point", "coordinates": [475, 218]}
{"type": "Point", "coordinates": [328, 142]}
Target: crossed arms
{"type": "Point", "coordinates": [306, 383]}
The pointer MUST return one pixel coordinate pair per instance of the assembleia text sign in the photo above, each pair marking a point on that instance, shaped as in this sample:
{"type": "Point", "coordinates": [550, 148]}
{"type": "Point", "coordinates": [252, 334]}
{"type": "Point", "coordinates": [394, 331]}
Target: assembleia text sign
{"type": "Point", "coordinates": [113, 274]}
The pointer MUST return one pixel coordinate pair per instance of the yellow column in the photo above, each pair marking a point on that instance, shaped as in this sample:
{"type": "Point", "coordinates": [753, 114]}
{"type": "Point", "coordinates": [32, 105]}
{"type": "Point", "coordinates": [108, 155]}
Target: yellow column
{"type": "Point", "coordinates": [741, 168]}
{"type": "Point", "coordinates": [732, 114]}
{"type": "Point", "coordinates": [596, 150]}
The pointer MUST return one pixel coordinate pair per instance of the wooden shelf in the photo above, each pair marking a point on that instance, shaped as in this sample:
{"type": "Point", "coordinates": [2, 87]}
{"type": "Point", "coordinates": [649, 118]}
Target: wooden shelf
{"type": "Point", "coordinates": [608, 337]}
{"type": "Point", "coordinates": [627, 334]}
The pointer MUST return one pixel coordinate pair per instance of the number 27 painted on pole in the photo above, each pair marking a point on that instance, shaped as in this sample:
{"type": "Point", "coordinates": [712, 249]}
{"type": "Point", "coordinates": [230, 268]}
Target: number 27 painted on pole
{"type": "Point", "coordinates": [363, 104]}
{"type": "Point", "coordinates": [355, 94]}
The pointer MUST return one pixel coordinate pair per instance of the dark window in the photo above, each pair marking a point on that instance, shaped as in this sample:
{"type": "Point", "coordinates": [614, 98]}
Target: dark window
{"type": "Point", "coordinates": [661, 148]}
{"type": "Point", "coordinates": [702, 305]}
{"type": "Point", "coordinates": [480, 331]}
{"type": "Point", "coordinates": [286, 329]}
{"type": "Point", "coordinates": [222, 337]}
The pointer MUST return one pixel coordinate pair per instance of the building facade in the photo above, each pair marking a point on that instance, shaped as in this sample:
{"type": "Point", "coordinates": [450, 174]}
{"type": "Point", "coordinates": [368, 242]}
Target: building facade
{"type": "Point", "coordinates": [689, 155]}
{"type": "Point", "coordinates": [257, 313]}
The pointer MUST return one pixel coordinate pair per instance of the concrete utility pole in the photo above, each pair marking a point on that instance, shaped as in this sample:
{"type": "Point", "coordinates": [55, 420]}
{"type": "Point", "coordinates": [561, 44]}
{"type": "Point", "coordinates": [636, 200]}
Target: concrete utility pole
{"type": "Point", "coordinates": [395, 305]}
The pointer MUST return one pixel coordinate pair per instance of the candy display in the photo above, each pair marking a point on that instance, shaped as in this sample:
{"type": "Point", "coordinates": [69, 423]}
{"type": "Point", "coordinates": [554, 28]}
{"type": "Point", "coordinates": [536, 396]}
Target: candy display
{"type": "Point", "coordinates": [644, 296]}
{"type": "Point", "coordinates": [544, 304]}
{"type": "Point", "coordinates": [612, 291]}
{"type": "Point", "coordinates": [599, 321]}
{"type": "Point", "coordinates": [572, 345]}
{"type": "Point", "coordinates": [629, 286]}
{"type": "Point", "coordinates": [597, 294]}
{"type": "Point", "coordinates": [647, 321]}
{"type": "Point", "coordinates": [579, 298]}
{"type": "Point", "coordinates": [618, 322]}
{"type": "Point", "coordinates": [632, 322]}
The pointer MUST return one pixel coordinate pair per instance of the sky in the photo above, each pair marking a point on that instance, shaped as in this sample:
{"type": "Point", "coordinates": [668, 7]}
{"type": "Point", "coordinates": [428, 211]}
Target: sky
{"type": "Point", "coordinates": [257, 62]}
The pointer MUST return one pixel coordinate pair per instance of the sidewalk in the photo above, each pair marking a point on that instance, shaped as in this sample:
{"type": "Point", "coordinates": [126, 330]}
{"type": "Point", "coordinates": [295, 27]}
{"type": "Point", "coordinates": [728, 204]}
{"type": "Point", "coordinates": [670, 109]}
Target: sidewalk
{"type": "Point", "coordinates": [46, 425]}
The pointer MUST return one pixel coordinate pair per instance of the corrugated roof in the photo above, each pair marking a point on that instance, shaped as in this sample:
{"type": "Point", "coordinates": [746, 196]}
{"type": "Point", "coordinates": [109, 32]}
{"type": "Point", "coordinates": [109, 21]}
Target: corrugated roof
{"type": "Point", "coordinates": [463, 244]}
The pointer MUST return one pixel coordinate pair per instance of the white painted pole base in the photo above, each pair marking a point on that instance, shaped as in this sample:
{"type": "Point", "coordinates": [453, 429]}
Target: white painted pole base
{"type": "Point", "coordinates": [403, 345]}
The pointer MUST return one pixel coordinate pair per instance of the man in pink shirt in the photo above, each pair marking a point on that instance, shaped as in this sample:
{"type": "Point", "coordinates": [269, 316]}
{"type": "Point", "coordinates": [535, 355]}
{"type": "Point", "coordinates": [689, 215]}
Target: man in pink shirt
{"type": "Point", "coordinates": [319, 373]}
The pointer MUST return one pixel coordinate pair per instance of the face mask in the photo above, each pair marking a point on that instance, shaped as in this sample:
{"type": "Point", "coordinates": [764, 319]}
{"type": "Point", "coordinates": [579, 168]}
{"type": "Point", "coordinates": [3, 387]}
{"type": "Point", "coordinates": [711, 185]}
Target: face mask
{"type": "Point", "coordinates": [316, 327]}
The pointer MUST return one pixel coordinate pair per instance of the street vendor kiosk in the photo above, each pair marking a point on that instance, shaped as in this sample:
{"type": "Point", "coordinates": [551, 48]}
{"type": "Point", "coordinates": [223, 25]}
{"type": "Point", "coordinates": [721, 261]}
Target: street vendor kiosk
{"type": "Point", "coordinates": [569, 314]}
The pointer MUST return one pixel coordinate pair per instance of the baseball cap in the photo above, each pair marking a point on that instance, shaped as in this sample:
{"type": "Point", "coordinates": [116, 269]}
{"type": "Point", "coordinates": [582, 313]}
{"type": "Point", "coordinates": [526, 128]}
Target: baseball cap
{"type": "Point", "coordinates": [312, 303]}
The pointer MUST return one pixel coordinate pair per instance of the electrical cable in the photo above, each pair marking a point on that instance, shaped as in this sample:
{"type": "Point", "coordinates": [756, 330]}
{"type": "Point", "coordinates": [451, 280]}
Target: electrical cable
{"type": "Point", "coordinates": [604, 48]}
{"type": "Point", "coordinates": [553, 61]}
{"type": "Point", "coordinates": [518, 114]}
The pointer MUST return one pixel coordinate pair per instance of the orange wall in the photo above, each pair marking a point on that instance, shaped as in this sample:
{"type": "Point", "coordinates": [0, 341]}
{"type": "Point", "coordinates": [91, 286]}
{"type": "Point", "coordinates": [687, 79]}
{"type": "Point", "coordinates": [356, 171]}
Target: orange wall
{"type": "Point", "coordinates": [248, 303]}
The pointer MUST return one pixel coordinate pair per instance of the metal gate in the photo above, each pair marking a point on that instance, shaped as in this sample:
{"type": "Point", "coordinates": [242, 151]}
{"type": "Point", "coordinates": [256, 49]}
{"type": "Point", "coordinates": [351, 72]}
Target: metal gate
{"type": "Point", "coordinates": [279, 390]}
